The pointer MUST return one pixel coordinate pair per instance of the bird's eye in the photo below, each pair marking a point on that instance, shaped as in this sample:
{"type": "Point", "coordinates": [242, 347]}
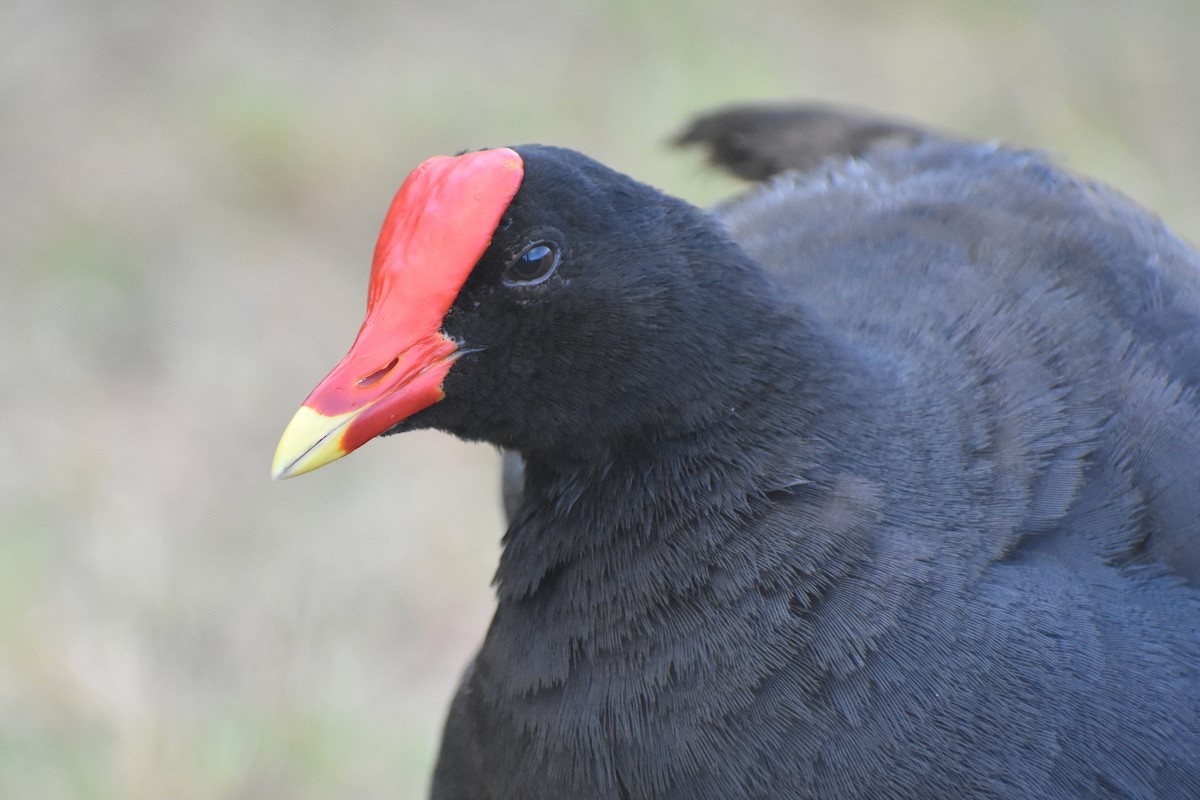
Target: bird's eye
{"type": "Point", "coordinates": [532, 265]}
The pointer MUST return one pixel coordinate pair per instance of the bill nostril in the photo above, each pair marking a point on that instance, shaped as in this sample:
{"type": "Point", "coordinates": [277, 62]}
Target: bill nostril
{"type": "Point", "coordinates": [376, 376]}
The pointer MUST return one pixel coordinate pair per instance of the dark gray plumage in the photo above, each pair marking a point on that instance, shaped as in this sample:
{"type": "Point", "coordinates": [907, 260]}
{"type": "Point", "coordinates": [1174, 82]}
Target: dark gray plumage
{"type": "Point", "coordinates": [512, 482]}
{"type": "Point", "coordinates": [943, 541]}
{"type": "Point", "coordinates": [756, 142]}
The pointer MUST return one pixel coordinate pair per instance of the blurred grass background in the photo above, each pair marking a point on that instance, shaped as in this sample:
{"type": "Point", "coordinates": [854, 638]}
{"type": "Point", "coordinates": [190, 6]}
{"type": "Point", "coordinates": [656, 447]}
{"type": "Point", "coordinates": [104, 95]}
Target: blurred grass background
{"type": "Point", "coordinates": [189, 196]}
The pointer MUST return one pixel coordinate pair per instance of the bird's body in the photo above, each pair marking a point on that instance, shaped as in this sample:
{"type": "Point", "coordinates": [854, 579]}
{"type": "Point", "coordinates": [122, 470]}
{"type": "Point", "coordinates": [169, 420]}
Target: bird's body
{"type": "Point", "coordinates": [880, 481]}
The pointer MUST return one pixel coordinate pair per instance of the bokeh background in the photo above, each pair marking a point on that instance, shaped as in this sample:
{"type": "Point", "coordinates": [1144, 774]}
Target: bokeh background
{"type": "Point", "coordinates": [189, 196]}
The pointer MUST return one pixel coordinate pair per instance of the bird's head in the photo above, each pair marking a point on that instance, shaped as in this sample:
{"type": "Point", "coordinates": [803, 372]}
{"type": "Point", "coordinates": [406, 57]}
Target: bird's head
{"type": "Point", "coordinates": [527, 297]}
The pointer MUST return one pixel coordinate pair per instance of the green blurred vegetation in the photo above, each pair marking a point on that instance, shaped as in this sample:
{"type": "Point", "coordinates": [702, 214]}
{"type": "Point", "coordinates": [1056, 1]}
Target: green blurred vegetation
{"type": "Point", "coordinates": [191, 195]}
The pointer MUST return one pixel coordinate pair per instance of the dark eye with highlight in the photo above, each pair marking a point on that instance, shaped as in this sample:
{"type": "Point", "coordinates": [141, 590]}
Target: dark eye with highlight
{"type": "Point", "coordinates": [532, 265]}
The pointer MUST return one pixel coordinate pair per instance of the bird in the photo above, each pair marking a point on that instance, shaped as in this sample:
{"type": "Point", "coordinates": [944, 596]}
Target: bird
{"type": "Point", "coordinates": [880, 479]}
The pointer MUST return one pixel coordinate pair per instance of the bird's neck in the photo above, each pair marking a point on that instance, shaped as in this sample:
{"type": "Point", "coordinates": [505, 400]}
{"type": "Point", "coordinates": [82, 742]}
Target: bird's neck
{"type": "Point", "coordinates": [614, 546]}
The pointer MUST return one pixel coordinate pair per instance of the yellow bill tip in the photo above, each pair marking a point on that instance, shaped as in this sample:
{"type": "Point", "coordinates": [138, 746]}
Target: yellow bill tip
{"type": "Point", "coordinates": [309, 441]}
